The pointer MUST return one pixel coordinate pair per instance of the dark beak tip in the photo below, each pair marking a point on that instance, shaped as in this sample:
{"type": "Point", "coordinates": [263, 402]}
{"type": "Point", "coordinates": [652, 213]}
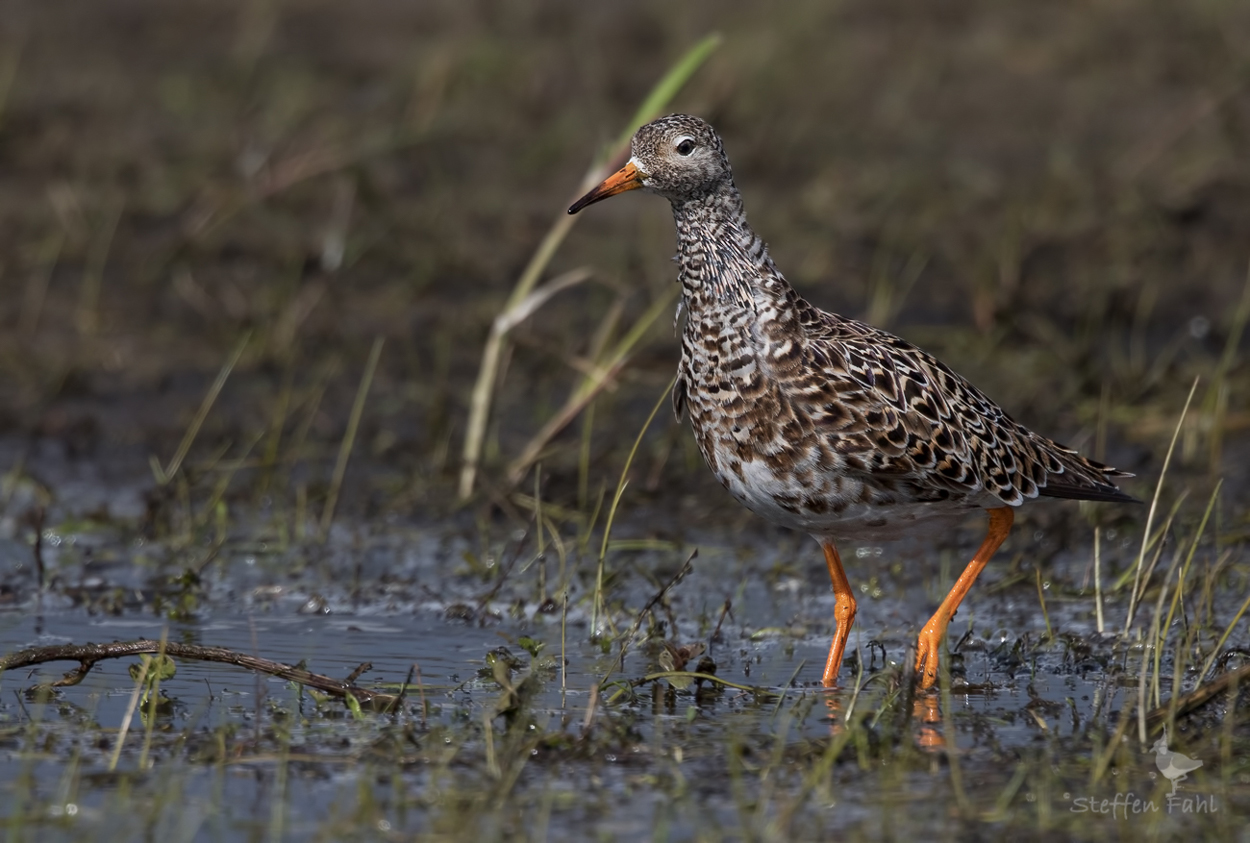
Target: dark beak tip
{"type": "Point", "coordinates": [588, 199]}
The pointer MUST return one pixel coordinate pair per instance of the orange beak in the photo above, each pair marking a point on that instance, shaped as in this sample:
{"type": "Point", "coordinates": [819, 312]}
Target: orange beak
{"type": "Point", "coordinates": [626, 178]}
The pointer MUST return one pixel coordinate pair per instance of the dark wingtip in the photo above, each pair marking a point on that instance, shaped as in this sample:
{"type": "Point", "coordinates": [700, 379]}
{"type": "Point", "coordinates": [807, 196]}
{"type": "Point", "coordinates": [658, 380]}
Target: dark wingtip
{"type": "Point", "coordinates": [1088, 481]}
{"type": "Point", "coordinates": [1105, 494]}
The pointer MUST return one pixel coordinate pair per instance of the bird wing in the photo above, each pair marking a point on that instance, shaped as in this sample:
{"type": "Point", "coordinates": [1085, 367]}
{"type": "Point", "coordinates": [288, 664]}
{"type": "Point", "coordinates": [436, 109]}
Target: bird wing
{"type": "Point", "coordinates": [903, 412]}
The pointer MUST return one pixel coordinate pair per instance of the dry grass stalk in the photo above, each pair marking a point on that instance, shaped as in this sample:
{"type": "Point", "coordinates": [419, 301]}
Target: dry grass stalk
{"type": "Point", "coordinates": [492, 353]}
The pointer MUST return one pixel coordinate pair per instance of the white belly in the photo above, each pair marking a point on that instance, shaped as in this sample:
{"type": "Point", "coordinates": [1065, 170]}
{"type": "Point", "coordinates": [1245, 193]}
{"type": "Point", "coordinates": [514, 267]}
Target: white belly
{"type": "Point", "coordinates": [853, 520]}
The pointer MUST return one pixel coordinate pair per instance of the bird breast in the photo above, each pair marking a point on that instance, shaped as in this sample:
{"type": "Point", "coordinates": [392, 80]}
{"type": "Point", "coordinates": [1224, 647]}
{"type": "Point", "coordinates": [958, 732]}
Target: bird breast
{"type": "Point", "coordinates": [779, 459]}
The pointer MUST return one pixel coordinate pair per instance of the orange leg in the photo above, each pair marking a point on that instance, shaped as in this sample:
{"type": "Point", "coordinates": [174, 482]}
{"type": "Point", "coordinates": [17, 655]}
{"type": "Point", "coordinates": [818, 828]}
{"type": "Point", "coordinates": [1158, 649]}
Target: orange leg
{"type": "Point", "coordinates": [843, 613]}
{"type": "Point", "coordinates": [934, 632]}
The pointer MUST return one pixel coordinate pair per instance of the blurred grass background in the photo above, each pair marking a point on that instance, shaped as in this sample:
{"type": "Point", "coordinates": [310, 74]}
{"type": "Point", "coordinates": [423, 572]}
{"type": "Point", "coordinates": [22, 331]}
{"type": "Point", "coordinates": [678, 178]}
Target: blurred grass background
{"type": "Point", "coordinates": [1054, 199]}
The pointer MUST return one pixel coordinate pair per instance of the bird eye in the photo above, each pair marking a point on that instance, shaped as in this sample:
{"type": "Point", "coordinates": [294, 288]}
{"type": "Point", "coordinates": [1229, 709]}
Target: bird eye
{"type": "Point", "coordinates": [685, 147]}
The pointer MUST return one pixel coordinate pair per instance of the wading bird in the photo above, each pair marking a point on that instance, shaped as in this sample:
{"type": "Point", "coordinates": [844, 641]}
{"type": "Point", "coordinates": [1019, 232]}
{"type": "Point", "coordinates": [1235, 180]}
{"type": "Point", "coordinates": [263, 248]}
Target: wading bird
{"type": "Point", "coordinates": [819, 422]}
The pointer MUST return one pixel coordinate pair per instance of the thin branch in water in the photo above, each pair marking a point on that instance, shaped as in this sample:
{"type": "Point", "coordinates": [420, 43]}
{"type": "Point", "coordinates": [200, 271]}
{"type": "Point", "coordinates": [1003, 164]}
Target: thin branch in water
{"type": "Point", "coordinates": [87, 655]}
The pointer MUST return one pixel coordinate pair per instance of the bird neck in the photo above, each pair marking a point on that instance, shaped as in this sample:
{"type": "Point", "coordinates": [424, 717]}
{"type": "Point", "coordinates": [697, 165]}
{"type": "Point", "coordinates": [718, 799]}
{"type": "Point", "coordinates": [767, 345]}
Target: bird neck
{"type": "Point", "coordinates": [722, 260]}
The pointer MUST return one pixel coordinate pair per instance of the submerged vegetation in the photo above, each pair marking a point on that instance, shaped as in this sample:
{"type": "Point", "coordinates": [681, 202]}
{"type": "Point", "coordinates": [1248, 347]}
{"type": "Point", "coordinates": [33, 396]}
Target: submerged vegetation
{"type": "Point", "coordinates": [251, 256]}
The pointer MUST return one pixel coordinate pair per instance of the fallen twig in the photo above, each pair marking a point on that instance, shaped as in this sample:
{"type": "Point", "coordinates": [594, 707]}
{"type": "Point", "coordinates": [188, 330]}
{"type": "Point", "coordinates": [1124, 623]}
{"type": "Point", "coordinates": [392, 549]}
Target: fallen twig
{"type": "Point", "coordinates": [88, 654]}
{"type": "Point", "coordinates": [1188, 702]}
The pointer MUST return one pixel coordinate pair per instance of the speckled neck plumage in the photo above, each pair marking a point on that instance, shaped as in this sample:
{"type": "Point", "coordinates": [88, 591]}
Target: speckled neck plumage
{"type": "Point", "coordinates": [721, 260]}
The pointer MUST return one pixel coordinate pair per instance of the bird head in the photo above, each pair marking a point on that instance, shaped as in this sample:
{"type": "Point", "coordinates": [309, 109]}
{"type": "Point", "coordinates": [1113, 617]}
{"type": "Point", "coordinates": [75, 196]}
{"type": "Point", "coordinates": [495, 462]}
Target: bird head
{"type": "Point", "coordinates": [679, 157]}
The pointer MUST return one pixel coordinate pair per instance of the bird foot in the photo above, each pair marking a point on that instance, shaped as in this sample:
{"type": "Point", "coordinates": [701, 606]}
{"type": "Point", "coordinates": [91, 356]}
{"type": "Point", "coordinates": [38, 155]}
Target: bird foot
{"type": "Point", "coordinates": [928, 646]}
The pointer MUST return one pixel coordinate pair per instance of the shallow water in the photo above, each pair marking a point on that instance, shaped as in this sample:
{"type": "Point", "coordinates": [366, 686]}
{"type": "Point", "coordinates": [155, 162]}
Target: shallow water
{"type": "Point", "coordinates": [236, 755]}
